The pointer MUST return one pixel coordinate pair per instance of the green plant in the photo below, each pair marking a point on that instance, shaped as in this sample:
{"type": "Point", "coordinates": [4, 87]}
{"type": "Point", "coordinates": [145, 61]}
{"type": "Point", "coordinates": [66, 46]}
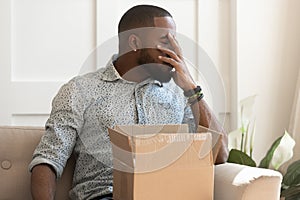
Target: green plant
{"type": "Point", "coordinates": [281, 151]}
{"type": "Point", "coordinates": [290, 188]}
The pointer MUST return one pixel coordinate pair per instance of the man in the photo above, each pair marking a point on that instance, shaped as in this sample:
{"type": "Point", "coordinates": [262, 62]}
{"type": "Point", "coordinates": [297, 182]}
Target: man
{"type": "Point", "coordinates": [146, 83]}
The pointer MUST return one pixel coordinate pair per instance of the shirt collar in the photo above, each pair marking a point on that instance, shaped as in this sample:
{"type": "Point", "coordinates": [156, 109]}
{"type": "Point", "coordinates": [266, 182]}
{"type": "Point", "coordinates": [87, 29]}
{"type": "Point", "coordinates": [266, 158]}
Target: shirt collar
{"type": "Point", "coordinates": [110, 73]}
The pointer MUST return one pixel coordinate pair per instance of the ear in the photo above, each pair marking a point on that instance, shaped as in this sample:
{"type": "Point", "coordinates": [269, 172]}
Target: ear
{"type": "Point", "coordinates": [134, 42]}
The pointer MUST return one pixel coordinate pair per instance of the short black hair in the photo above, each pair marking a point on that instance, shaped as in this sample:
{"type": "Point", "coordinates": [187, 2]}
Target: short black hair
{"type": "Point", "coordinates": [141, 16]}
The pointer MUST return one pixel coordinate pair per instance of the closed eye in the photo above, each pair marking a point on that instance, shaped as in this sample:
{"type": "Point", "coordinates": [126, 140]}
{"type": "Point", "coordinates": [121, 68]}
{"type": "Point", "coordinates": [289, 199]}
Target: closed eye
{"type": "Point", "coordinates": [164, 42]}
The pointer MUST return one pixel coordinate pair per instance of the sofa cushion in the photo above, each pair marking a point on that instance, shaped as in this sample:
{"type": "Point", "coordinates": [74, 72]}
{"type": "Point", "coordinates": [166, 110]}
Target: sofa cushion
{"type": "Point", "coordinates": [16, 148]}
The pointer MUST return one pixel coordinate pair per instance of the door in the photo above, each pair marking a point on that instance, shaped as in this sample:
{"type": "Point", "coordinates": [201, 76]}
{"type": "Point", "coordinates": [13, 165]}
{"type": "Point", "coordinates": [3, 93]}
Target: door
{"type": "Point", "coordinates": [43, 45]}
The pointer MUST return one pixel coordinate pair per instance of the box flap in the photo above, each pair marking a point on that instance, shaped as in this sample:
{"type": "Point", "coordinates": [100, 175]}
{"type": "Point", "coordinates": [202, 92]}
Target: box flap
{"type": "Point", "coordinates": [137, 129]}
{"type": "Point", "coordinates": [122, 151]}
{"type": "Point", "coordinates": [146, 148]}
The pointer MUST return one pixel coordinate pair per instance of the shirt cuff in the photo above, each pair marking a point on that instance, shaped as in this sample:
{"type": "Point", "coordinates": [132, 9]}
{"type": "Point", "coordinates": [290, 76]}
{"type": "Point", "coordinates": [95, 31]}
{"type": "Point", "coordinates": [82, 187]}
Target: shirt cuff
{"type": "Point", "coordinates": [36, 161]}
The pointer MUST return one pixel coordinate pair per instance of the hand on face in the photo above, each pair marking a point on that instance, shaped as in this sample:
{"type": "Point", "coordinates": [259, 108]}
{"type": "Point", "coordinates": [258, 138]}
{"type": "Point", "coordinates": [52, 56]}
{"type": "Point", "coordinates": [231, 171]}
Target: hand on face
{"type": "Point", "coordinates": [174, 57]}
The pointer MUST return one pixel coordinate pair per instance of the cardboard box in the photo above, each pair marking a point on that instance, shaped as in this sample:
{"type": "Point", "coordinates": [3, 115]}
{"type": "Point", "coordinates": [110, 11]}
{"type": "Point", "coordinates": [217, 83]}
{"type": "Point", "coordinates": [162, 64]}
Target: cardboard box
{"type": "Point", "coordinates": [161, 162]}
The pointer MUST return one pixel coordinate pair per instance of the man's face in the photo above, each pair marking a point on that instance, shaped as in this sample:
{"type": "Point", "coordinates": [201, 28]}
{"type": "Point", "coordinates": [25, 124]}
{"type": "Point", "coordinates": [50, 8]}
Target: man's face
{"type": "Point", "coordinates": [149, 53]}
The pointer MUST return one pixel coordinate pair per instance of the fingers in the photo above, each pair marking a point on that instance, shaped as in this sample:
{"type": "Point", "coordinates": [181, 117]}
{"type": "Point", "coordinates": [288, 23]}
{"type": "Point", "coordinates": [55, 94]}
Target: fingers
{"type": "Point", "coordinates": [175, 56]}
{"type": "Point", "coordinates": [169, 52]}
{"type": "Point", "coordinates": [177, 53]}
{"type": "Point", "coordinates": [175, 44]}
{"type": "Point", "coordinates": [171, 61]}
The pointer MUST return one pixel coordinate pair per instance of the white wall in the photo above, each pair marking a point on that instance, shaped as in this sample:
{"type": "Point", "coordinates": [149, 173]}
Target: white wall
{"type": "Point", "coordinates": [43, 45]}
{"type": "Point", "coordinates": [214, 38]}
{"type": "Point", "coordinates": [268, 46]}
{"type": "Point", "coordinates": [50, 39]}
{"type": "Point", "coordinates": [5, 48]}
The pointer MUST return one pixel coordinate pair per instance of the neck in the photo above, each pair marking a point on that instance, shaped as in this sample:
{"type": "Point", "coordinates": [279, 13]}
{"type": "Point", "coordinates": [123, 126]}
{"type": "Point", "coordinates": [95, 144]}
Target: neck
{"type": "Point", "coordinates": [129, 69]}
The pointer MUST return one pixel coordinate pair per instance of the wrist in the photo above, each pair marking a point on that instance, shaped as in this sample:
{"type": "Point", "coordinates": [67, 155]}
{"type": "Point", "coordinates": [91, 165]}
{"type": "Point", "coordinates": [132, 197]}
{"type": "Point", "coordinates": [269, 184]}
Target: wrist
{"type": "Point", "coordinates": [189, 87]}
{"type": "Point", "coordinates": [194, 95]}
{"type": "Point", "coordinates": [192, 91]}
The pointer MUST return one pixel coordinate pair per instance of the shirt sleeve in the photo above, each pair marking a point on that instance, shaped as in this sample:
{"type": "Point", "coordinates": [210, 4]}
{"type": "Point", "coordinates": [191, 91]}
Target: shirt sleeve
{"type": "Point", "coordinates": [62, 128]}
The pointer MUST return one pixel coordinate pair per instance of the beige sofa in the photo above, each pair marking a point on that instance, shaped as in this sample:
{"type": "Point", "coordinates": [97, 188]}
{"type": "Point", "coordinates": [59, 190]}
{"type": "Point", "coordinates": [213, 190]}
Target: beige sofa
{"type": "Point", "coordinates": [232, 182]}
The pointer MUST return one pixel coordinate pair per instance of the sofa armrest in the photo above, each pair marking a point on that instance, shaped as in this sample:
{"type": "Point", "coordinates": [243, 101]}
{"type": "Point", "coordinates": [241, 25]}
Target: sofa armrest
{"type": "Point", "coordinates": [236, 182]}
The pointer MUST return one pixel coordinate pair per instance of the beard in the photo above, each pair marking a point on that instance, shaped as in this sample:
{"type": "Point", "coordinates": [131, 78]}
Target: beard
{"type": "Point", "coordinates": [158, 71]}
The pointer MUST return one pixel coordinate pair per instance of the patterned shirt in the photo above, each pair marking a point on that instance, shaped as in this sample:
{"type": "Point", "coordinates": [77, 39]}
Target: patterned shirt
{"type": "Point", "coordinates": [86, 107]}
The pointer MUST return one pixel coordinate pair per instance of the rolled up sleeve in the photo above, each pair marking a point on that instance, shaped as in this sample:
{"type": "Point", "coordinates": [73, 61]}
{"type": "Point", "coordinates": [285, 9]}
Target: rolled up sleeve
{"type": "Point", "coordinates": [62, 129]}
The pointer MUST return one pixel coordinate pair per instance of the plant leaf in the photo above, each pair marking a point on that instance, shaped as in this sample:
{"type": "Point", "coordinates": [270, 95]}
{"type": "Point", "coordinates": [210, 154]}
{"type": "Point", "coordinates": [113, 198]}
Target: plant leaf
{"type": "Point", "coordinates": [280, 152]}
{"type": "Point", "coordinates": [247, 109]}
{"type": "Point", "coordinates": [265, 162]}
{"type": "Point", "coordinates": [292, 176]}
{"type": "Point", "coordinates": [283, 152]}
{"type": "Point", "coordinates": [291, 192]}
{"type": "Point", "coordinates": [295, 197]}
{"type": "Point", "coordinates": [239, 157]}
{"type": "Point", "coordinates": [247, 106]}
{"type": "Point", "coordinates": [252, 138]}
{"type": "Point", "coordinates": [246, 138]}
{"type": "Point", "coordinates": [234, 139]}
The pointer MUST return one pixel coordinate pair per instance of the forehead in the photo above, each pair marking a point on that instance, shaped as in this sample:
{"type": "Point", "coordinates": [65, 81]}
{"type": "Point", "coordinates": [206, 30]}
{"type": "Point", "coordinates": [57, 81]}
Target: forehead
{"type": "Point", "coordinates": [165, 23]}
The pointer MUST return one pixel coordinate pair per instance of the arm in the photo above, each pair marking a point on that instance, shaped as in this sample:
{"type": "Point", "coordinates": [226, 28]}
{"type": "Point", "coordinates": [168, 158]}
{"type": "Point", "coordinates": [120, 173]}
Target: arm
{"type": "Point", "coordinates": [43, 182]}
{"type": "Point", "coordinates": [56, 145]}
{"type": "Point", "coordinates": [202, 113]}
{"type": "Point", "coordinates": [207, 119]}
